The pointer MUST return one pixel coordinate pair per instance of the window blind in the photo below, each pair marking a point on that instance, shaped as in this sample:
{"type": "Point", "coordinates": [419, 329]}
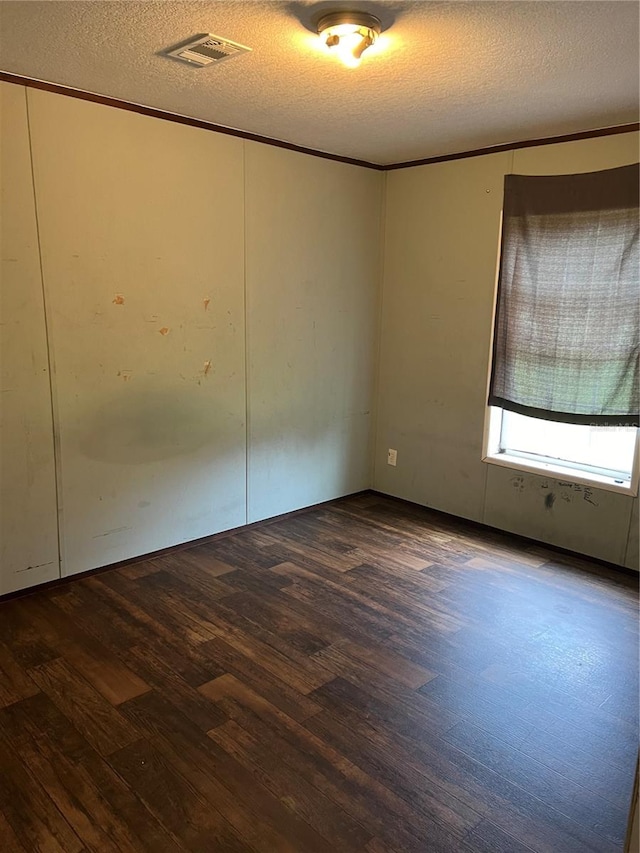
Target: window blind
{"type": "Point", "coordinates": [567, 326]}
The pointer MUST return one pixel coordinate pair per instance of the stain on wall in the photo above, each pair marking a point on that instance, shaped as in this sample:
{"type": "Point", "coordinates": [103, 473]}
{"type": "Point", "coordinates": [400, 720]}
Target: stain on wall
{"type": "Point", "coordinates": [133, 420]}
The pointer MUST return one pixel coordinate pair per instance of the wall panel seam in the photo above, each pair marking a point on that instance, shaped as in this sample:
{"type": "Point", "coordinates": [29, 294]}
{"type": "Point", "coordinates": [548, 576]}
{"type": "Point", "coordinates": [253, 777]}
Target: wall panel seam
{"type": "Point", "coordinates": [245, 308]}
{"type": "Point", "coordinates": [57, 472]}
{"type": "Point", "coordinates": [627, 542]}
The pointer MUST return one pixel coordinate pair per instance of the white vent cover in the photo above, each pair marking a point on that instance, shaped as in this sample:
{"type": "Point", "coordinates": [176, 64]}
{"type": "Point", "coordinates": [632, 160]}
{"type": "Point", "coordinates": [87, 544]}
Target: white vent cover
{"type": "Point", "coordinates": [206, 50]}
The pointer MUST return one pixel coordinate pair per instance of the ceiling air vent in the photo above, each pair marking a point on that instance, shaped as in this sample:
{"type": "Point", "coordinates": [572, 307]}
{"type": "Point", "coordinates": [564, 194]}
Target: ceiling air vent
{"type": "Point", "coordinates": [205, 50]}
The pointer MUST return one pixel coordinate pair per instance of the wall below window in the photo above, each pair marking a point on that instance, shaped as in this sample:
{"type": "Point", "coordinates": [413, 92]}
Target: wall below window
{"type": "Point", "coordinates": [442, 227]}
{"type": "Point", "coordinates": [190, 279]}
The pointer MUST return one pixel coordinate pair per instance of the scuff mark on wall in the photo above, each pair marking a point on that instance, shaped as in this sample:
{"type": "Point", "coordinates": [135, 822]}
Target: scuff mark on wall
{"type": "Point", "coordinates": [549, 500]}
{"type": "Point", "coordinates": [109, 532]}
{"type": "Point", "coordinates": [125, 375]}
{"type": "Point", "coordinates": [118, 299]}
{"type": "Point", "coordinates": [207, 367]}
{"type": "Point", "coordinates": [206, 302]}
{"type": "Point", "coordinates": [518, 483]}
{"type": "Point", "coordinates": [28, 568]}
{"type": "Point", "coordinates": [585, 491]}
{"type": "Point", "coordinates": [164, 331]}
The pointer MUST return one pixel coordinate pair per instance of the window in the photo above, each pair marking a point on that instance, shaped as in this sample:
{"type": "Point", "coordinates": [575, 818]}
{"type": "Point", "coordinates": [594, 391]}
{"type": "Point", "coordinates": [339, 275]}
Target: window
{"type": "Point", "coordinates": [600, 456]}
{"type": "Point", "coordinates": [564, 386]}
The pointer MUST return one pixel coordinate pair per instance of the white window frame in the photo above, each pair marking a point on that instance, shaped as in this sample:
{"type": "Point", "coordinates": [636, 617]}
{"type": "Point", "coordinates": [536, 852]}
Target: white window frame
{"type": "Point", "coordinates": [571, 473]}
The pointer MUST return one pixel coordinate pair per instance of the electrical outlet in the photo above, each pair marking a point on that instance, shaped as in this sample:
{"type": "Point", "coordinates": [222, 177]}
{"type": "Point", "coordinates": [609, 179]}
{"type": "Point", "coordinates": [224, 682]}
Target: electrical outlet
{"type": "Point", "coordinates": [392, 457]}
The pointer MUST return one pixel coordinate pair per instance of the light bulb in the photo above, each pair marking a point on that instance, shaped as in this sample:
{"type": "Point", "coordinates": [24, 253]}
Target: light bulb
{"type": "Point", "coordinates": [348, 42]}
{"type": "Point", "coordinates": [348, 35]}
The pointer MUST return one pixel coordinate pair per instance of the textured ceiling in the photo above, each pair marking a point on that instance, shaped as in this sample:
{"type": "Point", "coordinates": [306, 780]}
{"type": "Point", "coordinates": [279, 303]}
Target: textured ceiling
{"type": "Point", "coordinates": [448, 77]}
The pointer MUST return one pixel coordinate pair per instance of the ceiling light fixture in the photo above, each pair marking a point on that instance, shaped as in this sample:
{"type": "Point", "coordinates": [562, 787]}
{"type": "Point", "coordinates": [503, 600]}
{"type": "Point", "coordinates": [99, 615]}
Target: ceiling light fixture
{"type": "Point", "coordinates": [349, 34]}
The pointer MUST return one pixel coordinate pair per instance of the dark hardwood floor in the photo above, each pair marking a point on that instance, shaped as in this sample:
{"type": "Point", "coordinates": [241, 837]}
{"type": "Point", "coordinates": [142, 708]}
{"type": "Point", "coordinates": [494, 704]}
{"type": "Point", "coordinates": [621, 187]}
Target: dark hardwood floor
{"type": "Point", "coordinates": [367, 676]}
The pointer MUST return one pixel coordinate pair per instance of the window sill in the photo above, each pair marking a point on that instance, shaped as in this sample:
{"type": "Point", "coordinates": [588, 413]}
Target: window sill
{"type": "Point", "coordinates": [570, 475]}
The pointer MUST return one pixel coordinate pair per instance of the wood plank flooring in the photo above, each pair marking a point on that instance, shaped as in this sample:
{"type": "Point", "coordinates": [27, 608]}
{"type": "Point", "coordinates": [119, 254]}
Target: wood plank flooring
{"type": "Point", "coordinates": [367, 676]}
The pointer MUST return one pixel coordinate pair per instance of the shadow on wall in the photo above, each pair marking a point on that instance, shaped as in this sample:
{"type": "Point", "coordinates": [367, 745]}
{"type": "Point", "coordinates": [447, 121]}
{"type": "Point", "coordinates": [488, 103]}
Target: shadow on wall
{"type": "Point", "coordinates": [147, 424]}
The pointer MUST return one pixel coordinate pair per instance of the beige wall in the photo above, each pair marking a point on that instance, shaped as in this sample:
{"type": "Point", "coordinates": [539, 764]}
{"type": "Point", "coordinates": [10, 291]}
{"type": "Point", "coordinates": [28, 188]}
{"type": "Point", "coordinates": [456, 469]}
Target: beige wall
{"type": "Point", "coordinates": [312, 264]}
{"type": "Point", "coordinates": [209, 311]}
{"type": "Point", "coordinates": [28, 533]}
{"type": "Point", "coordinates": [148, 214]}
{"type": "Point", "coordinates": [190, 278]}
{"type": "Point", "coordinates": [442, 224]}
